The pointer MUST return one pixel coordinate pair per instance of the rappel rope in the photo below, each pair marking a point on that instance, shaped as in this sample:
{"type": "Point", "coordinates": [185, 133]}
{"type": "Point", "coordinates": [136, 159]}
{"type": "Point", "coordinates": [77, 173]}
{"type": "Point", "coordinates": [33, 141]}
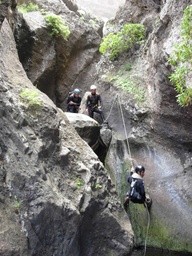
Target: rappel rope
{"type": "Point", "coordinates": [148, 224]}
{"type": "Point", "coordinates": [125, 130]}
{"type": "Point", "coordinates": [111, 109]}
{"type": "Point", "coordinates": [129, 151]}
{"type": "Point", "coordinates": [117, 98]}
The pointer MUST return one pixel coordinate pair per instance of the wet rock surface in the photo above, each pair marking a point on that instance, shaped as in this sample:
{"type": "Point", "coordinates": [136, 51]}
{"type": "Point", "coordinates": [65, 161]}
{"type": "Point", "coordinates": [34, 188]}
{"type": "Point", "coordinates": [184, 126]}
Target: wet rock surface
{"type": "Point", "coordinates": [159, 130]}
{"type": "Point", "coordinates": [54, 190]}
{"type": "Point", "coordinates": [159, 133]}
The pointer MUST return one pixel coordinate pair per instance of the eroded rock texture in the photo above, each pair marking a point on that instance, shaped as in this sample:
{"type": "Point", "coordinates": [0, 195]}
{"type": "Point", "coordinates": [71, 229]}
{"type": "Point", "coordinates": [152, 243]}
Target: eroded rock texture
{"type": "Point", "coordinates": [159, 129]}
{"type": "Point", "coordinates": [54, 65]}
{"type": "Point", "coordinates": [8, 11]}
{"type": "Point", "coordinates": [56, 197]}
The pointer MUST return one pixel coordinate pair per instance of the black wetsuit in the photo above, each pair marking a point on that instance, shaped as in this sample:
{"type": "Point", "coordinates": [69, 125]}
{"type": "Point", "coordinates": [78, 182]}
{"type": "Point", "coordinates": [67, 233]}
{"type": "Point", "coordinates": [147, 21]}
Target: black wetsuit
{"type": "Point", "coordinates": [92, 105]}
{"type": "Point", "coordinates": [74, 108]}
{"type": "Point", "coordinates": [138, 195]}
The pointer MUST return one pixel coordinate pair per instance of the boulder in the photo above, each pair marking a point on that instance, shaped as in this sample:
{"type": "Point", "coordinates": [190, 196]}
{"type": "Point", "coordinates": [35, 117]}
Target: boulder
{"type": "Point", "coordinates": [106, 135]}
{"type": "Point", "coordinates": [87, 127]}
{"type": "Point", "coordinates": [57, 66]}
{"type": "Point", "coordinates": [56, 196]}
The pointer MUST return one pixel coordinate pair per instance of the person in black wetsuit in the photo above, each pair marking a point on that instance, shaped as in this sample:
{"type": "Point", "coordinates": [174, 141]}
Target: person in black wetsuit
{"type": "Point", "coordinates": [74, 102]}
{"type": "Point", "coordinates": [137, 190]}
{"type": "Point", "coordinates": [92, 103]}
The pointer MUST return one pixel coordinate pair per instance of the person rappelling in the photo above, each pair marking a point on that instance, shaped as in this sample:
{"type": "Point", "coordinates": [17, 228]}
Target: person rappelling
{"type": "Point", "coordinates": [137, 193]}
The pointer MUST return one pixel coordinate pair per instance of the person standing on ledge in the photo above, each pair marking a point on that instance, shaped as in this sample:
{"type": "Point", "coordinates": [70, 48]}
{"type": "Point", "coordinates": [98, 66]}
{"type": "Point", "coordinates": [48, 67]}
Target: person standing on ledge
{"type": "Point", "coordinates": [92, 103]}
{"type": "Point", "coordinates": [74, 102]}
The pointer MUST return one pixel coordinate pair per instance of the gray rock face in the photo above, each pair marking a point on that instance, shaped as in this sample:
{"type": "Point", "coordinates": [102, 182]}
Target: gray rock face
{"type": "Point", "coordinates": [159, 130]}
{"type": "Point", "coordinates": [106, 135]}
{"type": "Point", "coordinates": [54, 65]}
{"type": "Point", "coordinates": [39, 151]}
{"type": "Point", "coordinates": [56, 197]}
{"type": "Point", "coordinates": [71, 4]}
{"type": "Point", "coordinates": [104, 9]}
{"type": "Point", "coordinates": [37, 51]}
{"type": "Point", "coordinates": [87, 127]}
{"type": "Point", "coordinates": [7, 10]}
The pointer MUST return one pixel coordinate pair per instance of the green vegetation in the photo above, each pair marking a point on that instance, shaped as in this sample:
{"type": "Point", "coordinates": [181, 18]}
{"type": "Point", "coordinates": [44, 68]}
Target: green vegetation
{"type": "Point", "coordinates": [161, 235]}
{"type": "Point", "coordinates": [17, 204]}
{"type": "Point", "coordinates": [125, 39]}
{"type": "Point", "coordinates": [128, 66]}
{"type": "Point", "coordinates": [131, 87]}
{"type": "Point", "coordinates": [57, 25]}
{"type": "Point", "coordinates": [98, 186]}
{"type": "Point", "coordinates": [79, 182]}
{"type": "Point", "coordinates": [92, 22]}
{"type": "Point", "coordinates": [157, 22]}
{"type": "Point", "coordinates": [31, 7]}
{"type": "Point", "coordinates": [30, 96]}
{"type": "Point", "coordinates": [181, 59]}
{"type": "Point", "coordinates": [124, 184]}
{"type": "Point", "coordinates": [129, 84]}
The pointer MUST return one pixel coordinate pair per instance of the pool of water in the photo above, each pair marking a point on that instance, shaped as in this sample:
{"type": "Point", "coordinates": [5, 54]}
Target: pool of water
{"type": "Point", "coordinates": [153, 252]}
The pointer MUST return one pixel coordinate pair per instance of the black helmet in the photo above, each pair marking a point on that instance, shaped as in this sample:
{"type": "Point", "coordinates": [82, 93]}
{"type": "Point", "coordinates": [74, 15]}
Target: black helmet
{"type": "Point", "coordinates": [139, 168]}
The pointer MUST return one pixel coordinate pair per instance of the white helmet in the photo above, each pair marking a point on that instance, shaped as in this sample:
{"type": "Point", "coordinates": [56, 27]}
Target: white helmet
{"type": "Point", "coordinates": [93, 87]}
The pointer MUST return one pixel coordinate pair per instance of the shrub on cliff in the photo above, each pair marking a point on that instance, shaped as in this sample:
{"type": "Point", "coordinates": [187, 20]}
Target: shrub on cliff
{"type": "Point", "coordinates": [122, 41]}
{"type": "Point", "coordinates": [31, 7]}
{"type": "Point", "coordinates": [181, 60]}
{"type": "Point", "coordinates": [57, 25]}
{"type": "Point", "coordinates": [30, 97]}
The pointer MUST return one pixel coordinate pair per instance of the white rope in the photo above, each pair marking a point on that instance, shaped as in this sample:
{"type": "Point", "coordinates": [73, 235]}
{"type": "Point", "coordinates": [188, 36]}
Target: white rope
{"type": "Point", "coordinates": [148, 224]}
{"type": "Point", "coordinates": [111, 108]}
{"type": "Point", "coordinates": [125, 130]}
{"type": "Point", "coordinates": [123, 120]}
{"type": "Point", "coordinates": [129, 150]}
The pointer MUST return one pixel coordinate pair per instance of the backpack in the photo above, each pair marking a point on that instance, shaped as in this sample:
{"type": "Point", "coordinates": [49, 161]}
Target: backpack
{"type": "Point", "coordinates": [135, 197]}
{"type": "Point", "coordinates": [70, 94]}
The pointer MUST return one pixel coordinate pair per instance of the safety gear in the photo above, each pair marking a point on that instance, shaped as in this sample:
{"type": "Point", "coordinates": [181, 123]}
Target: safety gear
{"type": "Point", "coordinates": [93, 87]}
{"type": "Point", "coordinates": [76, 91]}
{"type": "Point", "coordinates": [139, 168]}
{"type": "Point", "coordinates": [126, 201]}
{"type": "Point", "coordinates": [148, 201]}
{"type": "Point", "coordinates": [134, 194]}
